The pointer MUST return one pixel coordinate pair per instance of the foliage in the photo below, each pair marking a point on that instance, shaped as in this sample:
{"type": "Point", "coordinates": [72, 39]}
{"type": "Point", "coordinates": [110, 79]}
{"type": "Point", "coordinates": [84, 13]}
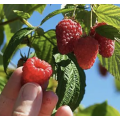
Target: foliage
{"type": "Point", "coordinates": [68, 80]}
{"type": "Point", "coordinates": [102, 109]}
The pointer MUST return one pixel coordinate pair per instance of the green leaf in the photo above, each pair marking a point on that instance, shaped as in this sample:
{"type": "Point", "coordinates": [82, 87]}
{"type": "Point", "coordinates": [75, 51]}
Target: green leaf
{"type": "Point", "coordinates": [13, 44]}
{"type": "Point", "coordinates": [40, 8]}
{"type": "Point", "coordinates": [1, 12]}
{"type": "Point", "coordinates": [71, 81]}
{"type": "Point", "coordinates": [1, 35]}
{"type": "Point", "coordinates": [109, 14]}
{"type": "Point", "coordinates": [8, 33]}
{"type": "Point", "coordinates": [102, 109]}
{"type": "Point", "coordinates": [44, 45]}
{"type": "Point", "coordinates": [83, 17]}
{"type": "Point", "coordinates": [112, 63]}
{"type": "Point", "coordinates": [3, 79]}
{"type": "Point", "coordinates": [28, 8]}
{"type": "Point", "coordinates": [22, 14]}
{"type": "Point", "coordinates": [108, 31]}
{"type": "Point", "coordinates": [55, 13]}
{"type": "Point", "coordinates": [117, 85]}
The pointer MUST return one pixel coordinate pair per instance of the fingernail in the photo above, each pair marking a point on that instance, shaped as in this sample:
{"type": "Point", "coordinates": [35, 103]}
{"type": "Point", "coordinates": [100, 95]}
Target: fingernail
{"type": "Point", "coordinates": [30, 92]}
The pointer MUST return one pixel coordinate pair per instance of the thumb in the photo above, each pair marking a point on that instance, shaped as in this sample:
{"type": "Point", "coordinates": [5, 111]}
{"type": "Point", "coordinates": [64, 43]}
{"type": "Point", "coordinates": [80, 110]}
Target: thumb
{"type": "Point", "coordinates": [29, 100]}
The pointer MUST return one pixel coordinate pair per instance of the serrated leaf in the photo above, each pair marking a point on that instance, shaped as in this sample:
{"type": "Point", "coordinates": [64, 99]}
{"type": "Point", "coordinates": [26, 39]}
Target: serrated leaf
{"type": "Point", "coordinates": [102, 109]}
{"type": "Point", "coordinates": [71, 81]}
{"type": "Point", "coordinates": [14, 42]}
{"type": "Point", "coordinates": [55, 13]}
{"type": "Point", "coordinates": [44, 45]}
{"type": "Point", "coordinates": [108, 31]}
{"type": "Point", "coordinates": [22, 14]}
{"type": "Point", "coordinates": [112, 63]}
{"type": "Point", "coordinates": [109, 14]}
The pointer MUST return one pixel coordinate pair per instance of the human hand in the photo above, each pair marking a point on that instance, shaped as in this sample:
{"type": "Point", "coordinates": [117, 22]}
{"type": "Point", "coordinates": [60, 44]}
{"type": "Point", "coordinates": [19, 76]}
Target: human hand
{"type": "Point", "coordinates": [30, 99]}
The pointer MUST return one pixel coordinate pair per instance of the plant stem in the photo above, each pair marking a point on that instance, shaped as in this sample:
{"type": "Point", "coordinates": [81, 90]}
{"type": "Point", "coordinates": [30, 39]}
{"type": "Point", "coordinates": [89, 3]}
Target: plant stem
{"type": "Point", "coordinates": [26, 22]}
{"type": "Point", "coordinates": [73, 15]}
{"type": "Point", "coordinates": [9, 21]}
{"type": "Point", "coordinates": [28, 53]}
{"type": "Point", "coordinates": [91, 16]}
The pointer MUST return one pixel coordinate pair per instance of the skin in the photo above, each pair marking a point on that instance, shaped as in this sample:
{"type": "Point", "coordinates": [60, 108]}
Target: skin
{"type": "Point", "coordinates": [30, 99]}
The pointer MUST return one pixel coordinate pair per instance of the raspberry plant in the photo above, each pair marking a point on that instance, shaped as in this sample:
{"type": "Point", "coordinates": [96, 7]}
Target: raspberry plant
{"type": "Point", "coordinates": [69, 77]}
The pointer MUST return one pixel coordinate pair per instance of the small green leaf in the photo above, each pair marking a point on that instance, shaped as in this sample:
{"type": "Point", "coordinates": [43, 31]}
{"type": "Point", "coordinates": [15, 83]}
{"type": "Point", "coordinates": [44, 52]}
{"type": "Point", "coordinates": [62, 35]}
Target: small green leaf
{"type": "Point", "coordinates": [102, 109]}
{"type": "Point", "coordinates": [13, 44]}
{"type": "Point", "coordinates": [55, 13]}
{"type": "Point", "coordinates": [71, 81]}
{"type": "Point", "coordinates": [109, 13]}
{"type": "Point", "coordinates": [112, 63]}
{"type": "Point", "coordinates": [108, 31]}
{"type": "Point", "coordinates": [40, 8]}
{"type": "Point", "coordinates": [22, 14]}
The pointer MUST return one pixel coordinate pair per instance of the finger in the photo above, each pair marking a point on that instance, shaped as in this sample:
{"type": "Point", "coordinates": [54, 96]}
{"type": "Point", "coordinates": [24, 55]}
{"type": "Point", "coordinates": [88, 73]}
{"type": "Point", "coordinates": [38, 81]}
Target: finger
{"type": "Point", "coordinates": [10, 93]}
{"type": "Point", "coordinates": [29, 100]}
{"type": "Point", "coordinates": [49, 102]}
{"type": "Point", "coordinates": [14, 85]}
{"type": "Point", "coordinates": [64, 111]}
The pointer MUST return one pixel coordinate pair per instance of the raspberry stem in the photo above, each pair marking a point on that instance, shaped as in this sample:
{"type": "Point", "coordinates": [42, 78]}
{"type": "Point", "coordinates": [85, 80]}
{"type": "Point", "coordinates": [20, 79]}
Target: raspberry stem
{"type": "Point", "coordinates": [91, 16]}
{"type": "Point", "coordinates": [26, 22]}
{"type": "Point", "coordinates": [73, 15]}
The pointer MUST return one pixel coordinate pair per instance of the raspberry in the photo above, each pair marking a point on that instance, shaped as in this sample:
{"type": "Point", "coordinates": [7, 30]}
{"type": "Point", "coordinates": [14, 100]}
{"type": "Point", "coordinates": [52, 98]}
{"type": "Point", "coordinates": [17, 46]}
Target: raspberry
{"type": "Point", "coordinates": [86, 49]}
{"type": "Point", "coordinates": [36, 70]}
{"type": "Point", "coordinates": [67, 32]}
{"type": "Point", "coordinates": [103, 70]}
{"type": "Point", "coordinates": [106, 46]}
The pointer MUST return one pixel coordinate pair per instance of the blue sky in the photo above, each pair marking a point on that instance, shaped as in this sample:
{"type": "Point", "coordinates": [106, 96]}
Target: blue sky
{"type": "Point", "coordinates": [98, 88]}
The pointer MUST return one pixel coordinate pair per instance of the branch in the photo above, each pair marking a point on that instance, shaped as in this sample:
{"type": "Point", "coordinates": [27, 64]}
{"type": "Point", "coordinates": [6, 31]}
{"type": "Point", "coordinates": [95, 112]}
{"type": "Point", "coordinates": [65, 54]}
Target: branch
{"type": "Point", "coordinates": [9, 21]}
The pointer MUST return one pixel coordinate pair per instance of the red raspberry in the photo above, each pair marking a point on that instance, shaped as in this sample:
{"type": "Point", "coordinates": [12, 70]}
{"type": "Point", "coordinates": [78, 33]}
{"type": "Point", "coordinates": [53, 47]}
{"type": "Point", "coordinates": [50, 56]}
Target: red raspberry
{"type": "Point", "coordinates": [36, 70]}
{"type": "Point", "coordinates": [106, 46]}
{"type": "Point", "coordinates": [67, 32]}
{"type": "Point", "coordinates": [103, 70]}
{"type": "Point", "coordinates": [86, 49]}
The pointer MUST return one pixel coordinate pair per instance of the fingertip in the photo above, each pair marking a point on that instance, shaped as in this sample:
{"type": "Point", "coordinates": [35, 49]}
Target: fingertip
{"type": "Point", "coordinates": [64, 111]}
{"type": "Point", "coordinates": [17, 71]}
{"type": "Point", "coordinates": [50, 100]}
{"type": "Point", "coordinates": [29, 100]}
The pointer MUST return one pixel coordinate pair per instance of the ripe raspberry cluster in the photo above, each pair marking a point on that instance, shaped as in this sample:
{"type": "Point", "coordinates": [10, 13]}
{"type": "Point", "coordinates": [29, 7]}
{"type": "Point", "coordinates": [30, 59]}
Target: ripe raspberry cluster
{"type": "Point", "coordinates": [70, 39]}
{"type": "Point", "coordinates": [106, 46]}
{"type": "Point", "coordinates": [67, 33]}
